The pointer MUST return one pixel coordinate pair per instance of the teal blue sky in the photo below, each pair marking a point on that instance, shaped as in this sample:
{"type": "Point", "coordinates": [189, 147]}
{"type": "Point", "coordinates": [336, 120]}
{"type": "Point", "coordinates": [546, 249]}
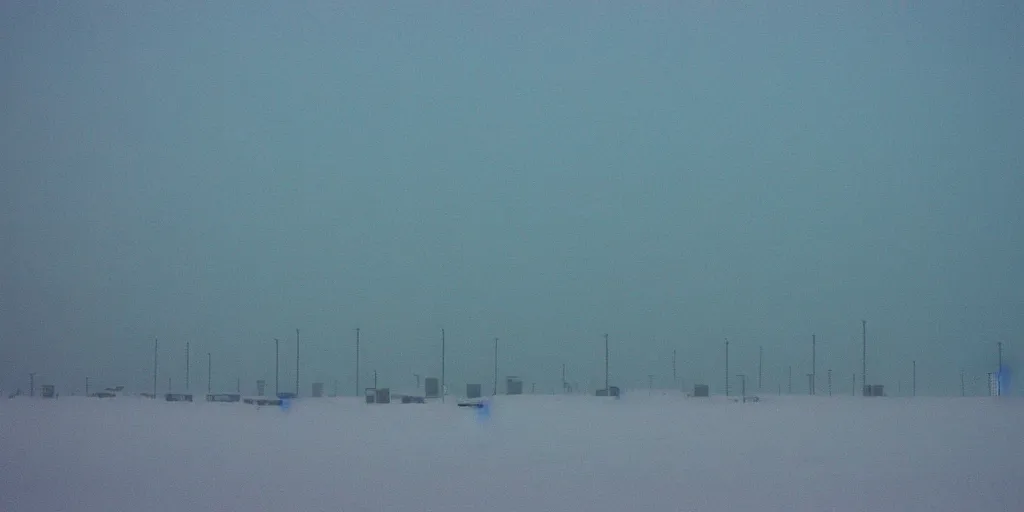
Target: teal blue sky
{"type": "Point", "coordinates": [670, 173]}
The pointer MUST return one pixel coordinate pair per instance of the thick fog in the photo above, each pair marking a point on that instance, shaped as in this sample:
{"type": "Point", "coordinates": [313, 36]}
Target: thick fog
{"type": "Point", "coordinates": [673, 175]}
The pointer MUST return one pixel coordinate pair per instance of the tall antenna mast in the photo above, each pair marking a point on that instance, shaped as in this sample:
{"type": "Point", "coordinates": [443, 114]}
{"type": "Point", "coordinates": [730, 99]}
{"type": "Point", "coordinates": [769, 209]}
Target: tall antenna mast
{"type": "Point", "coordinates": [913, 379]}
{"type": "Point", "coordinates": [999, 380]}
{"type": "Point", "coordinates": [760, 365]}
{"type": "Point", "coordinates": [607, 388]}
{"type": "Point", "coordinates": [864, 353]}
{"type": "Point", "coordinates": [357, 362]}
{"type": "Point", "coordinates": [209, 372]}
{"type": "Point", "coordinates": [156, 345]}
{"type": "Point", "coordinates": [674, 380]}
{"type": "Point", "coordinates": [814, 364]}
{"type": "Point", "coordinates": [727, 367]}
{"type": "Point", "coordinates": [442, 365]}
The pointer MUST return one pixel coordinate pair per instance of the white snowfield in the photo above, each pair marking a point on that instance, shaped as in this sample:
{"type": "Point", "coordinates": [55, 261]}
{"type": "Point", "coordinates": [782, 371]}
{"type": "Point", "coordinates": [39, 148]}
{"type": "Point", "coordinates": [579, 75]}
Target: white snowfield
{"type": "Point", "coordinates": [535, 453]}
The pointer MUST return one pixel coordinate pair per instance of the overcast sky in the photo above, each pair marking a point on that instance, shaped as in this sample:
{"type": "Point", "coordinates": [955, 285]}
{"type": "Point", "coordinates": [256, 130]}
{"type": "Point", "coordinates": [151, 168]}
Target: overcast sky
{"type": "Point", "coordinates": [672, 174]}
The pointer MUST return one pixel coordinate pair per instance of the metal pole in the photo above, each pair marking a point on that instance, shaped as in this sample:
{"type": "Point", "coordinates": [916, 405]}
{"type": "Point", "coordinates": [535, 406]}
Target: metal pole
{"type": "Point", "coordinates": [814, 363]}
{"type": "Point", "coordinates": [375, 379]}
{"type": "Point", "coordinates": [999, 370]}
{"type": "Point", "coordinates": [495, 366]}
{"type": "Point", "coordinates": [209, 373]}
{"type": "Point", "coordinates": [32, 384]}
{"type": "Point", "coordinates": [675, 381]}
{"type": "Point", "coordinates": [607, 387]}
{"type": "Point", "coordinates": [726, 367]}
{"type": "Point", "coordinates": [760, 365]}
{"type": "Point", "coordinates": [277, 366]}
{"type": "Point", "coordinates": [864, 353]}
{"type": "Point", "coordinates": [156, 346]}
{"type": "Point", "coordinates": [442, 365]}
{"type": "Point", "coordinates": [296, 363]}
{"type": "Point", "coordinates": [743, 386]}
{"type": "Point", "coordinates": [810, 383]}
{"type": "Point", "coordinates": [358, 392]}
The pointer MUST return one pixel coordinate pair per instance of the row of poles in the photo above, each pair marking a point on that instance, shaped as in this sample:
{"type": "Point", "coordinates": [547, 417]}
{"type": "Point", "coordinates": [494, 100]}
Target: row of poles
{"type": "Point", "coordinates": [812, 377]}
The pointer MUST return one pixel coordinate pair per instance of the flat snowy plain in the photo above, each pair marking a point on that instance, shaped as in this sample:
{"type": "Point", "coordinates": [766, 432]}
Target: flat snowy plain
{"type": "Point", "coordinates": [660, 452]}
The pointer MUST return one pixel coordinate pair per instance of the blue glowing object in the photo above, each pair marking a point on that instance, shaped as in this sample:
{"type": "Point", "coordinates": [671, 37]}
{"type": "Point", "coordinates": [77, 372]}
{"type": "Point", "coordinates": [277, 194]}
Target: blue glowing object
{"type": "Point", "coordinates": [483, 412]}
{"type": "Point", "coordinates": [1003, 379]}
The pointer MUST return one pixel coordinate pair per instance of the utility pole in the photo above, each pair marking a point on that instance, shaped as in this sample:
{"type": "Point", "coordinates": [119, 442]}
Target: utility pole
{"type": "Point", "coordinates": [864, 353]}
{"type": "Point", "coordinates": [277, 366]}
{"type": "Point", "coordinates": [442, 366]}
{"type": "Point", "coordinates": [209, 373]}
{"type": "Point", "coordinates": [188, 364]}
{"type": "Point", "coordinates": [999, 369]}
{"type": "Point", "coordinates": [156, 348]}
{"type": "Point", "coordinates": [674, 380]}
{"type": "Point", "coordinates": [607, 387]}
{"type": "Point", "coordinates": [760, 366]}
{"type": "Point", "coordinates": [375, 379]}
{"type": "Point", "coordinates": [810, 383]}
{"type": "Point", "coordinates": [727, 367]}
{"type": "Point", "coordinates": [495, 366]}
{"type": "Point", "coordinates": [743, 386]}
{"type": "Point", "coordinates": [296, 363]}
{"type": "Point", "coordinates": [32, 384]}
{"type": "Point", "coordinates": [913, 380]}
{"type": "Point", "coordinates": [814, 363]}
{"type": "Point", "coordinates": [358, 392]}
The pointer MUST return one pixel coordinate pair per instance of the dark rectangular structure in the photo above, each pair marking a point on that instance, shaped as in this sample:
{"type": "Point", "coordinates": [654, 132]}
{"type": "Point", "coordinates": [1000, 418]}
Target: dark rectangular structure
{"type": "Point", "coordinates": [318, 389]}
{"type": "Point", "coordinates": [513, 386]}
{"type": "Point", "coordinates": [263, 401]}
{"type": "Point", "coordinates": [874, 390]}
{"type": "Point", "coordinates": [261, 387]}
{"type": "Point", "coordinates": [473, 391]}
{"type": "Point", "coordinates": [223, 397]}
{"type": "Point", "coordinates": [431, 387]}
{"type": "Point", "coordinates": [701, 390]}
{"type": "Point", "coordinates": [178, 397]}
{"type": "Point", "coordinates": [49, 391]}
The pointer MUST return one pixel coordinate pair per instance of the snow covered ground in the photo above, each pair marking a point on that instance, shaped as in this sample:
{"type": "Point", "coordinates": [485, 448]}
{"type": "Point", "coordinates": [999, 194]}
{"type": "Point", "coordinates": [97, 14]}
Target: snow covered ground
{"type": "Point", "coordinates": [534, 453]}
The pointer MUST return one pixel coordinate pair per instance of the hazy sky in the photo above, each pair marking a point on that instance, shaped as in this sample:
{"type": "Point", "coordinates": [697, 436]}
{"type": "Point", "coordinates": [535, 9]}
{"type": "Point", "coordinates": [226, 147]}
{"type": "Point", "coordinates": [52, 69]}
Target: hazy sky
{"type": "Point", "coordinates": [671, 173]}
